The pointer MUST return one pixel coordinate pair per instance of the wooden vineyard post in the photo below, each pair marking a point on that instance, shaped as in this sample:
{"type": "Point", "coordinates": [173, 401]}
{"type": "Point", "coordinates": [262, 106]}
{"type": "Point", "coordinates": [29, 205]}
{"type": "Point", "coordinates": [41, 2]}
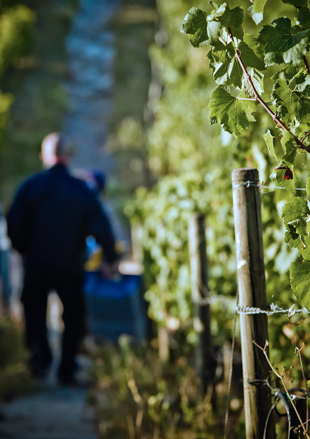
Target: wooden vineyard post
{"type": "Point", "coordinates": [199, 276]}
{"type": "Point", "coordinates": [252, 293]}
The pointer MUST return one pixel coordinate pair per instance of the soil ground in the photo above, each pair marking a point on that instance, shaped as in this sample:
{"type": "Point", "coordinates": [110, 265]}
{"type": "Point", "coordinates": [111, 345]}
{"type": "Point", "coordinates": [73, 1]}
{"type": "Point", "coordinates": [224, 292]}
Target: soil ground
{"type": "Point", "coordinates": [49, 412]}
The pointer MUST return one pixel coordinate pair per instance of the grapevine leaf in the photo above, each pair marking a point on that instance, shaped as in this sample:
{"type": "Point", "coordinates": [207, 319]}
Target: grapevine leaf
{"type": "Point", "coordinates": [232, 17]}
{"type": "Point", "coordinates": [253, 43]}
{"type": "Point", "coordinates": [228, 17]}
{"type": "Point", "coordinates": [300, 282]}
{"type": "Point", "coordinates": [296, 3]}
{"type": "Point", "coordinates": [308, 187]}
{"type": "Point", "coordinates": [294, 210]}
{"type": "Point", "coordinates": [287, 73]}
{"type": "Point", "coordinates": [257, 17]}
{"type": "Point", "coordinates": [283, 173]}
{"type": "Point", "coordinates": [282, 45]}
{"type": "Point", "coordinates": [284, 176]}
{"type": "Point", "coordinates": [257, 78]}
{"type": "Point", "coordinates": [213, 30]}
{"type": "Point", "coordinates": [304, 85]}
{"type": "Point", "coordinates": [303, 17]}
{"type": "Point", "coordinates": [259, 6]}
{"type": "Point", "coordinates": [249, 58]}
{"type": "Point", "coordinates": [269, 142]}
{"type": "Point", "coordinates": [289, 148]}
{"type": "Point", "coordinates": [225, 66]}
{"type": "Point", "coordinates": [290, 102]}
{"type": "Point", "coordinates": [233, 113]}
{"type": "Point", "coordinates": [291, 237]}
{"type": "Point", "coordinates": [195, 26]}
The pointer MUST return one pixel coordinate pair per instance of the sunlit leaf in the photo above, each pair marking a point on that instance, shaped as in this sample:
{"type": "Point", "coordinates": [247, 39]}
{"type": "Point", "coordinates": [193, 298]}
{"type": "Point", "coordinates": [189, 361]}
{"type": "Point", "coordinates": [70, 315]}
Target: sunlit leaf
{"type": "Point", "coordinates": [195, 26]}
{"type": "Point", "coordinates": [233, 113]}
{"type": "Point", "coordinates": [300, 282]}
{"type": "Point", "coordinates": [259, 6]}
{"type": "Point", "coordinates": [269, 142]}
{"type": "Point", "coordinates": [282, 45]}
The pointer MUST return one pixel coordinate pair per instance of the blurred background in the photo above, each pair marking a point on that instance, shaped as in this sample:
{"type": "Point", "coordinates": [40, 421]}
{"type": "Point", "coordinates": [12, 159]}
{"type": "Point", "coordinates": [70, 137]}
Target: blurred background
{"type": "Point", "coordinates": [130, 92]}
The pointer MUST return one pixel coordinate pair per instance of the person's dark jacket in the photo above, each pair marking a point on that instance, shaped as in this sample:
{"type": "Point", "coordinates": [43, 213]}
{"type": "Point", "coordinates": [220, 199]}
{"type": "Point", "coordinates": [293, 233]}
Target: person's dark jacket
{"type": "Point", "coordinates": [50, 218]}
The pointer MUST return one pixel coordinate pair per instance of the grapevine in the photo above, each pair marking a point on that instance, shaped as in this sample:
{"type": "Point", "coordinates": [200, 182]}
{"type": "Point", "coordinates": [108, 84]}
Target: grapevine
{"type": "Point", "coordinates": [239, 61]}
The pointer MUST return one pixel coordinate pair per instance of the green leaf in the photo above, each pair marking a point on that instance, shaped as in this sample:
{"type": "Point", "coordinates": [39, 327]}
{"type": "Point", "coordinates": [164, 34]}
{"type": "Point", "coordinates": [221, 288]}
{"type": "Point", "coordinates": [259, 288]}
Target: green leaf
{"type": "Point", "coordinates": [195, 26]}
{"type": "Point", "coordinates": [257, 78]}
{"type": "Point", "coordinates": [294, 210]}
{"type": "Point", "coordinates": [232, 17]}
{"type": "Point", "coordinates": [289, 148]}
{"type": "Point", "coordinates": [290, 102]}
{"type": "Point", "coordinates": [292, 238]}
{"type": "Point", "coordinates": [269, 142]}
{"type": "Point", "coordinates": [300, 282]}
{"type": "Point", "coordinates": [213, 30]}
{"type": "Point", "coordinates": [282, 43]}
{"type": "Point", "coordinates": [228, 17]}
{"type": "Point", "coordinates": [280, 175]}
{"type": "Point", "coordinates": [257, 17]}
{"type": "Point", "coordinates": [303, 17]}
{"type": "Point", "coordinates": [225, 66]}
{"type": "Point", "coordinates": [287, 73]}
{"type": "Point", "coordinates": [304, 84]}
{"type": "Point", "coordinates": [249, 58]}
{"type": "Point", "coordinates": [283, 173]}
{"type": "Point", "coordinates": [253, 43]}
{"type": "Point", "coordinates": [259, 6]}
{"type": "Point", "coordinates": [308, 187]}
{"type": "Point", "coordinates": [233, 113]}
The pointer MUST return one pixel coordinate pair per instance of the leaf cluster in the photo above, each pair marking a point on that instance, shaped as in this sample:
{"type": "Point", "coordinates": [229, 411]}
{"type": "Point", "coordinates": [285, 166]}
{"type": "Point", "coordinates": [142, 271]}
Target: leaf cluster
{"type": "Point", "coordinates": [240, 63]}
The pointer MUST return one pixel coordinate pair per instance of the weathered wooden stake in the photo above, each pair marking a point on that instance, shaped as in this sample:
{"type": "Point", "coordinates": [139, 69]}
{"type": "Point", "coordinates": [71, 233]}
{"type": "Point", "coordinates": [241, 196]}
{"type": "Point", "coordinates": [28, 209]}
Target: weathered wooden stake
{"type": "Point", "coordinates": [252, 293]}
{"type": "Point", "coordinates": [199, 276]}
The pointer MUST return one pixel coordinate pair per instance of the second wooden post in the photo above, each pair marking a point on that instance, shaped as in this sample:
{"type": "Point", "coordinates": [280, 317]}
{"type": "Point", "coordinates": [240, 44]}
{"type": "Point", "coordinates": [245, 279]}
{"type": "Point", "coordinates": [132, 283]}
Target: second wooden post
{"type": "Point", "coordinates": [252, 293]}
{"type": "Point", "coordinates": [200, 296]}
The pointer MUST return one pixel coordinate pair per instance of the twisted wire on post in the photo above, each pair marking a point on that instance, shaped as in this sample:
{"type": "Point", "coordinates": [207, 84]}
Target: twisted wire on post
{"type": "Point", "coordinates": [274, 309]}
{"type": "Point", "coordinates": [257, 184]}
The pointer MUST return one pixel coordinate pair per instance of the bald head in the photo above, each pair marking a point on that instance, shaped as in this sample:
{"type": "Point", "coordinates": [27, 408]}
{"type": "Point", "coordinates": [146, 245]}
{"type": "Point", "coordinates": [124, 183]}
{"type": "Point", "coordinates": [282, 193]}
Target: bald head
{"type": "Point", "coordinates": [55, 149]}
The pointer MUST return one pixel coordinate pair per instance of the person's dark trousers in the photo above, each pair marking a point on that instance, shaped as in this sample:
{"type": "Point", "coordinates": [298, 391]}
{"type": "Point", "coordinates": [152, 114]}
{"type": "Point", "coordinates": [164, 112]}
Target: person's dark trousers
{"type": "Point", "coordinates": [69, 286]}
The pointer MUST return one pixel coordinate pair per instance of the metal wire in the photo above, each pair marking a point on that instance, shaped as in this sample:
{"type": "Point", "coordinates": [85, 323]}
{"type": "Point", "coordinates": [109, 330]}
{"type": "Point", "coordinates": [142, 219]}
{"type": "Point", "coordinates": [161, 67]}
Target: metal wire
{"type": "Point", "coordinates": [250, 183]}
{"type": "Point", "coordinates": [278, 395]}
{"type": "Point", "coordinates": [273, 309]}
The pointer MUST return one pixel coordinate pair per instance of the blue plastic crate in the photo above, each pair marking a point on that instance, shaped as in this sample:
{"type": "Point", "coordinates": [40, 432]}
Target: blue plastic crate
{"type": "Point", "coordinates": [115, 307]}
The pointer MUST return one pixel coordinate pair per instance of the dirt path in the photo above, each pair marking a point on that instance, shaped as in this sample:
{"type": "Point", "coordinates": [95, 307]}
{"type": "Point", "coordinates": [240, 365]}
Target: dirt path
{"type": "Point", "coordinates": [53, 413]}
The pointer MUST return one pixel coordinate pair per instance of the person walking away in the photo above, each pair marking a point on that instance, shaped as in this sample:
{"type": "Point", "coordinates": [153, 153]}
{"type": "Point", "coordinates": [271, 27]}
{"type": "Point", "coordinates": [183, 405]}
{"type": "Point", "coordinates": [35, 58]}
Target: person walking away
{"type": "Point", "coordinates": [48, 222]}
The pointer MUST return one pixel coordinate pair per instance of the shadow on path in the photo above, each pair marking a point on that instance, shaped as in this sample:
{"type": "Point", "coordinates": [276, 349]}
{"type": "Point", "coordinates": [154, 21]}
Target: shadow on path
{"type": "Point", "coordinates": [50, 412]}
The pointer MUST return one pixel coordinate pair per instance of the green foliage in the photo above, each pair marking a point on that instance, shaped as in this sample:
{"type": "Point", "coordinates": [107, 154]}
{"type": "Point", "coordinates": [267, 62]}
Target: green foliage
{"type": "Point", "coordinates": [284, 44]}
{"type": "Point", "coordinates": [149, 398]}
{"type": "Point", "coordinates": [15, 29]}
{"type": "Point", "coordinates": [237, 61]}
{"type": "Point", "coordinates": [300, 275]}
{"type": "Point", "coordinates": [233, 113]}
{"type": "Point", "coordinates": [16, 24]}
{"type": "Point", "coordinates": [35, 80]}
{"type": "Point", "coordinates": [164, 213]}
{"type": "Point", "coordinates": [14, 377]}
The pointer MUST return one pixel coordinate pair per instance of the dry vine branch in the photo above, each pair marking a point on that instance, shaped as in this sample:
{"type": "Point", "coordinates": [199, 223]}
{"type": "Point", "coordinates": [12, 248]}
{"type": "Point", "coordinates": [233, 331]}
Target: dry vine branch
{"type": "Point", "coordinates": [284, 386]}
